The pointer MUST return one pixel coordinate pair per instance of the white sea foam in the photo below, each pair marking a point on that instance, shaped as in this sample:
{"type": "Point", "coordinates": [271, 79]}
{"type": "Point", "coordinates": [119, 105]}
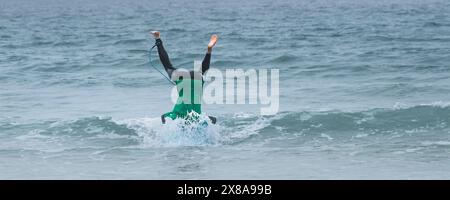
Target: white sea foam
{"type": "Point", "coordinates": [175, 132]}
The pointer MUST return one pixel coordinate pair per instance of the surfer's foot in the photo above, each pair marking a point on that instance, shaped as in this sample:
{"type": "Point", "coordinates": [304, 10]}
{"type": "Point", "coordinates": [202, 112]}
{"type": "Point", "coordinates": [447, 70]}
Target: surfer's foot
{"type": "Point", "coordinates": [155, 34]}
{"type": "Point", "coordinates": [163, 119]}
{"type": "Point", "coordinates": [213, 119]}
{"type": "Point", "coordinates": [212, 42]}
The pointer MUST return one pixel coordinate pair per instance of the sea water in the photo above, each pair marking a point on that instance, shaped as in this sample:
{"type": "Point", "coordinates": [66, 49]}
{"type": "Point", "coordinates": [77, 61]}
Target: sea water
{"type": "Point", "coordinates": [364, 89]}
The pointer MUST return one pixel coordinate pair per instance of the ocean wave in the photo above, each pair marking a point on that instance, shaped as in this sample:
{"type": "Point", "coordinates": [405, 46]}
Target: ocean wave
{"type": "Point", "coordinates": [90, 126]}
{"type": "Point", "coordinates": [105, 131]}
{"type": "Point", "coordinates": [387, 38]}
{"type": "Point", "coordinates": [176, 30]}
{"type": "Point", "coordinates": [401, 89]}
{"type": "Point", "coordinates": [286, 58]}
{"type": "Point", "coordinates": [130, 41]}
{"type": "Point", "coordinates": [69, 44]}
{"type": "Point", "coordinates": [137, 51]}
{"type": "Point", "coordinates": [433, 24]}
{"type": "Point", "coordinates": [421, 117]}
{"type": "Point", "coordinates": [242, 128]}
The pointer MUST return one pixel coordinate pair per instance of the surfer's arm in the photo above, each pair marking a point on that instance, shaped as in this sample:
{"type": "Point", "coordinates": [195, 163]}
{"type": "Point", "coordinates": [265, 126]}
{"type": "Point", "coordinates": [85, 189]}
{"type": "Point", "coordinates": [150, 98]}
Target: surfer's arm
{"type": "Point", "coordinates": [207, 59]}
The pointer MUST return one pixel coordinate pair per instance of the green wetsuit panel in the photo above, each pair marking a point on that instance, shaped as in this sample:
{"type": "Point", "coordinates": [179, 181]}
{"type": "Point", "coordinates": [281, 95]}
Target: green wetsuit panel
{"type": "Point", "coordinates": [190, 92]}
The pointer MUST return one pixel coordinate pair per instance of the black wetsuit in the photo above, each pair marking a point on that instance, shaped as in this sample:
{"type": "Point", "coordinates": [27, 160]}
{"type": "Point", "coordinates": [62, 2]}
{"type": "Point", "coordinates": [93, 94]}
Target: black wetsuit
{"type": "Point", "coordinates": [164, 57]}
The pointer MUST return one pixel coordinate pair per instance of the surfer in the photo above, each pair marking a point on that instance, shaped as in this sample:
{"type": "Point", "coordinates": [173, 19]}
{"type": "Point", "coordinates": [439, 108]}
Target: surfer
{"type": "Point", "coordinates": [187, 106]}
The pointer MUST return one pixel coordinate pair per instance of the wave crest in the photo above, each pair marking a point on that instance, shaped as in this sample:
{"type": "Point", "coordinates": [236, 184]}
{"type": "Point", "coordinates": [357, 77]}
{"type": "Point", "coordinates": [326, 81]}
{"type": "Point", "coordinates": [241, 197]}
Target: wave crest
{"type": "Point", "coordinates": [376, 120]}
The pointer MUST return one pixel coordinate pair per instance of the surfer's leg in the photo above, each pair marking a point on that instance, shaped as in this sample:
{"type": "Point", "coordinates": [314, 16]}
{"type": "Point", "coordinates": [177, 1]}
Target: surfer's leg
{"type": "Point", "coordinates": [207, 59]}
{"type": "Point", "coordinates": [171, 115]}
{"type": "Point", "coordinates": [163, 56]}
{"type": "Point", "coordinates": [213, 119]}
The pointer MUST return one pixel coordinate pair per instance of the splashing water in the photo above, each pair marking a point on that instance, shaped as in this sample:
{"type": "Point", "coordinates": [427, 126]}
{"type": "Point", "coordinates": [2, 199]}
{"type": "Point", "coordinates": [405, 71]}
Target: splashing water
{"type": "Point", "coordinates": [178, 132]}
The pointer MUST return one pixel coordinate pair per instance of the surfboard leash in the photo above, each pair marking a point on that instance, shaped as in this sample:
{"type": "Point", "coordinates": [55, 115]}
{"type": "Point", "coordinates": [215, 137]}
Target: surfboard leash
{"type": "Point", "coordinates": [150, 61]}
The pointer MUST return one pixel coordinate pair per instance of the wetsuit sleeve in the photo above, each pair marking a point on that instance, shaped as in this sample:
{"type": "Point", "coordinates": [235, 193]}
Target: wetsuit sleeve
{"type": "Point", "coordinates": [164, 57]}
{"type": "Point", "coordinates": [205, 63]}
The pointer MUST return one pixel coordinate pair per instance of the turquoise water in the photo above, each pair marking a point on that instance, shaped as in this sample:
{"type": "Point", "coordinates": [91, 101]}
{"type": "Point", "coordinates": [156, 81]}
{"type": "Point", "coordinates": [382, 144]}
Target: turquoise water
{"type": "Point", "coordinates": [364, 90]}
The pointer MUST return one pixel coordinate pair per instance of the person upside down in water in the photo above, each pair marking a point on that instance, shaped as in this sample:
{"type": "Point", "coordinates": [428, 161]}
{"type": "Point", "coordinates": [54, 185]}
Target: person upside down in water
{"type": "Point", "coordinates": [189, 83]}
